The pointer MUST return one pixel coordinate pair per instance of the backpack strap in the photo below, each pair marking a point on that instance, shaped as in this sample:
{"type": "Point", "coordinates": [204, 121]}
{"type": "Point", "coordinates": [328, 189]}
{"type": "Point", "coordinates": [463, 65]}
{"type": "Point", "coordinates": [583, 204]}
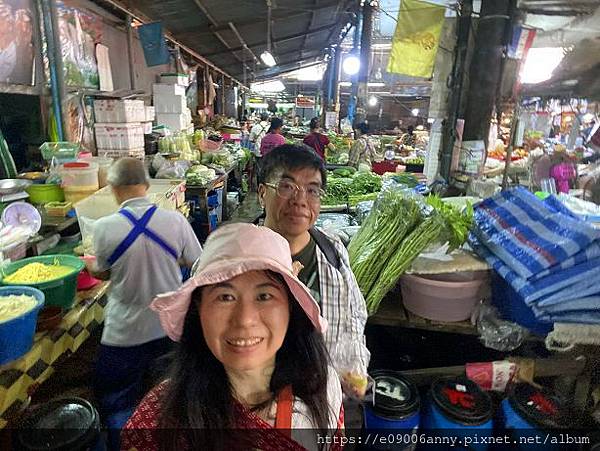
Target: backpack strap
{"type": "Point", "coordinates": [326, 247]}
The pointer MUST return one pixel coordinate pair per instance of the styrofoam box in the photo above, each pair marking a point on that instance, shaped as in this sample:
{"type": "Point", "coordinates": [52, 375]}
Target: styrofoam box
{"type": "Point", "coordinates": [175, 79]}
{"type": "Point", "coordinates": [117, 153]}
{"type": "Point", "coordinates": [175, 122]}
{"type": "Point", "coordinates": [147, 127]}
{"type": "Point", "coordinates": [114, 110]}
{"type": "Point", "coordinates": [150, 114]}
{"type": "Point", "coordinates": [169, 104]}
{"type": "Point", "coordinates": [159, 89]}
{"type": "Point", "coordinates": [167, 194]}
{"type": "Point", "coordinates": [119, 136]}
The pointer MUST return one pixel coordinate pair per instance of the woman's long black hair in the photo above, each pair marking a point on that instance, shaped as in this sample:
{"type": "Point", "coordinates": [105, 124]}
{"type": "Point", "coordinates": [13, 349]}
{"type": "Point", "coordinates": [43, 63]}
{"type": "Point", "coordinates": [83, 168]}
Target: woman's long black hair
{"type": "Point", "coordinates": [198, 403]}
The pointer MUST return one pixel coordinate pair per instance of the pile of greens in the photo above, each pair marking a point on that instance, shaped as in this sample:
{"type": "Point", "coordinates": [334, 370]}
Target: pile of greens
{"type": "Point", "coordinates": [457, 224]}
{"type": "Point", "coordinates": [345, 185]}
{"type": "Point", "coordinates": [396, 231]}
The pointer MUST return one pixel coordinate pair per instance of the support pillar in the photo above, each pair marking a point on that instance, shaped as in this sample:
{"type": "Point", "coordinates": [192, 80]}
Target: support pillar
{"type": "Point", "coordinates": [485, 69]}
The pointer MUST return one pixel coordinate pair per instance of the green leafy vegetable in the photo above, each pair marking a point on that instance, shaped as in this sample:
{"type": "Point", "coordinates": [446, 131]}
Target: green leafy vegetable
{"type": "Point", "coordinates": [410, 248]}
{"type": "Point", "coordinates": [393, 217]}
{"type": "Point", "coordinates": [457, 224]}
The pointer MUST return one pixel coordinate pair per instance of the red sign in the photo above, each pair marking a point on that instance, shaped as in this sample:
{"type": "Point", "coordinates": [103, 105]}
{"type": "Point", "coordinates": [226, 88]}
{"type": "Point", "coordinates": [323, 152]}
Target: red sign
{"type": "Point", "coordinates": [305, 102]}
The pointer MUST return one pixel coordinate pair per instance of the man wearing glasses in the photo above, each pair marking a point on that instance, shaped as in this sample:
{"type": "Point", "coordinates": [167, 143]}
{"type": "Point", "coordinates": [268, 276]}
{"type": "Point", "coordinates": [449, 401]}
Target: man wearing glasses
{"type": "Point", "coordinates": [291, 183]}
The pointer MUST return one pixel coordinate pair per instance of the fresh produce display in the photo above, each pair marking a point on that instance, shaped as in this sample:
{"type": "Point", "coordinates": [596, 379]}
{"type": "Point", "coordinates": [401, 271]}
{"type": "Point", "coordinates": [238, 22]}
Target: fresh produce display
{"type": "Point", "coordinates": [457, 224]}
{"type": "Point", "coordinates": [222, 159]}
{"type": "Point", "coordinates": [341, 144]}
{"type": "Point", "coordinates": [342, 189]}
{"type": "Point", "coordinates": [405, 178]}
{"type": "Point", "coordinates": [392, 217]}
{"type": "Point", "coordinates": [424, 234]}
{"type": "Point", "coordinates": [397, 230]}
{"type": "Point", "coordinates": [179, 143]}
{"type": "Point", "coordinates": [37, 273]}
{"type": "Point", "coordinates": [347, 171]}
{"type": "Point", "coordinates": [199, 175]}
{"type": "Point", "coordinates": [365, 183]}
{"type": "Point", "coordinates": [338, 190]}
{"type": "Point", "coordinates": [417, 161]}
{"type": "Point", "coordinates": [15, 305]}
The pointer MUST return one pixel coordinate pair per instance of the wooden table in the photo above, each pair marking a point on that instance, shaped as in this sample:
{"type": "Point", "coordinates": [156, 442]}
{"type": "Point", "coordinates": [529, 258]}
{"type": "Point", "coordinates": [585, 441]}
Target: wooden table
{"type": "Point", "coordinates": [20, 378]}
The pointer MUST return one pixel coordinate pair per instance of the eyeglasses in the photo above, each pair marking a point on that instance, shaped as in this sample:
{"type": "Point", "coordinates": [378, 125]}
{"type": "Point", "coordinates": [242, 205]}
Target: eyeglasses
{"type": "Point", "coordinates": [288, 190]}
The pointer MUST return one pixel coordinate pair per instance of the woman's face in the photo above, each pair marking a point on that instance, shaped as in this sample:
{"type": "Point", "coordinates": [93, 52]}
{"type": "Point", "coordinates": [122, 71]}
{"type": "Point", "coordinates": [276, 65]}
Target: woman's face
{"type": "Point", "coordinates": [244, 320]}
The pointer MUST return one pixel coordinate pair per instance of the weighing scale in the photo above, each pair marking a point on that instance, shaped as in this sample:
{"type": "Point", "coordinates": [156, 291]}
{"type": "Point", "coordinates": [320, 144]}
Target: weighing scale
{"type": "Point", "coordinates": [22, 214]}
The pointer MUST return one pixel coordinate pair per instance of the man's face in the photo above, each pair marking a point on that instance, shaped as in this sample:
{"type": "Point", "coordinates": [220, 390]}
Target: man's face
{"type": "Point", "coordinates": [294, 216]}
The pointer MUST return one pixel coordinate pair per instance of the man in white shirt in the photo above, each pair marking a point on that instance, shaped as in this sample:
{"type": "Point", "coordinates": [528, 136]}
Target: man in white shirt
{"type": "Point", "coordinates": [139, 249]}
{"type": "Point", "coordinates": [258, 131]}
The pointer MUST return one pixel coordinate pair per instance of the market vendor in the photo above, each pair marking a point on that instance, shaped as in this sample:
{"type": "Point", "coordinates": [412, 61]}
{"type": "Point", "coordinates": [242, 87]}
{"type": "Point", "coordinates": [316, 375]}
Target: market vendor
{"type": "Point", "coordinates": [273, 138]}
{"type": "Point", "coordinates": [251, 355]}
{"type": "Point", "coordinates": [362, 151]}
{"type": "Point", "coordinates": [291, 186]}
{"type": "Point", "coordinates": [140, 249]}
{"type": "Point", "coordinates": [317, 140]}
{"type": "Point", "coordinates": [258, 131]}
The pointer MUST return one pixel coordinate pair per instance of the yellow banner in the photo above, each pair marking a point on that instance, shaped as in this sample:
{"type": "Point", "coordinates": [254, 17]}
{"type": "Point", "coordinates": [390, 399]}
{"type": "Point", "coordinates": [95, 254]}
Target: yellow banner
{"type": "Point", "coordinates": [416, 38]}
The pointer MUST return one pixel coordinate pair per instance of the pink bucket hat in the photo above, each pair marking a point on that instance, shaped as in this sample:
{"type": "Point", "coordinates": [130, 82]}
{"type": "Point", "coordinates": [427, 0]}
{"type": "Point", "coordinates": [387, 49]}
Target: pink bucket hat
{"type": "Point", "coordinates": [230, 251]}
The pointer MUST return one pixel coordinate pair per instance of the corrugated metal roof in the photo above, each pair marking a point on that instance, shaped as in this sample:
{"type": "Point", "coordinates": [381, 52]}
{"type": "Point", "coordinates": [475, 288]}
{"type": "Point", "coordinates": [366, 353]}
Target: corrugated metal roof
{"type": "Point", "coordinates": [300, 31]}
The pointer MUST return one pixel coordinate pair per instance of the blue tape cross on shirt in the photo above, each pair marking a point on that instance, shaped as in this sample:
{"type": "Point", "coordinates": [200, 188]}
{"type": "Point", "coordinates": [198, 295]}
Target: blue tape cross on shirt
{"type": "Point", "coordinates": [140, 228]}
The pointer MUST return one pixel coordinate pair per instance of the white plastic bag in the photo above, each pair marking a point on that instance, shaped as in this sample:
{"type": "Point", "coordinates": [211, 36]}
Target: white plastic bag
{"type": "Point", "coordinates": [348, 363]}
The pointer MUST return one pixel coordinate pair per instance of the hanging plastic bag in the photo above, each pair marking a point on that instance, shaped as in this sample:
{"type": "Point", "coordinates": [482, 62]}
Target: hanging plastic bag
{"type": "Point", "coordinates": [87, 235]}
{"type": "Point", "coordinates": [347, 360]}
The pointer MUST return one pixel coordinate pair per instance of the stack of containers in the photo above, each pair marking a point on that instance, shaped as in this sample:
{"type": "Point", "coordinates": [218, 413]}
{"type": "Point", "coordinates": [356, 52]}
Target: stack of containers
{"type": "Point", "coordinates": [170, 103]}
{"type": "Point", "coordinates": [119, 127]}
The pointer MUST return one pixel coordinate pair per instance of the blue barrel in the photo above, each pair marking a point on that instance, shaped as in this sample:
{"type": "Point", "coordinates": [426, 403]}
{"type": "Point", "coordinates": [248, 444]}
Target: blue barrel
{"type": "Point", "coordinates": [396, 405]}
{"type": "Point", "coordinates": [460, 405]}
{"type": "Point", "coordinates": [16, 335]}
{"type": "Point", "coordinates": [528, 412]}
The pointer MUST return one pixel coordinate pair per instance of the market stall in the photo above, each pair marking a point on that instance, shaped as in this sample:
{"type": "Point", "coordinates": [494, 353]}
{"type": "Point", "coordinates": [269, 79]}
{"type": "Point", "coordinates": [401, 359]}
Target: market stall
{"type": "Point", "coordinates": [57, 338]}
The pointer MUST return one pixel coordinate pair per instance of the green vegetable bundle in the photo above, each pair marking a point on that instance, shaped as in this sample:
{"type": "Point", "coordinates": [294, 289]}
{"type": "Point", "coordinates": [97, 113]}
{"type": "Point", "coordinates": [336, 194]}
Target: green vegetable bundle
{"type": "Point", "coordinates": [457, 224]}
{"type": "Point", "coordinates": [400, 260]}
{"type": "Point", "coordinates": [393, 217]}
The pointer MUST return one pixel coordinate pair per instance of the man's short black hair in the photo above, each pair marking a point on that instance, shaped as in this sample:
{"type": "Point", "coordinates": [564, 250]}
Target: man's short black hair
{"type": "Point", "coordinates": [290, 157]}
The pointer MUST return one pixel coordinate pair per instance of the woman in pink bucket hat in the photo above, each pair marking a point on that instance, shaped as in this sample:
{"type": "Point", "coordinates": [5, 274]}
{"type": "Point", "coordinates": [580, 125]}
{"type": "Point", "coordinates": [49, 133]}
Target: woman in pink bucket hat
{"type": "Point", "coordinates": [251, 369]}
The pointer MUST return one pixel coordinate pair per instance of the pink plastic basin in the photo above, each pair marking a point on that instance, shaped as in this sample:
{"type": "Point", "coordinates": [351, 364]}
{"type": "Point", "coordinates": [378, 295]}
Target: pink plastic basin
{"type": "Point", "coordinates": [443, 297]}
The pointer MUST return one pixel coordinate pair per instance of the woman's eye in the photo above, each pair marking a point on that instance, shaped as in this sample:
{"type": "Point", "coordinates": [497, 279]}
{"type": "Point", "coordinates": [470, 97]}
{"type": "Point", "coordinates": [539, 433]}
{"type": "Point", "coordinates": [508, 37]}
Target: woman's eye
{"type": "Point", "coordinates": [226, 297]}
{"type": "Point", "coordinates": [265, 297]}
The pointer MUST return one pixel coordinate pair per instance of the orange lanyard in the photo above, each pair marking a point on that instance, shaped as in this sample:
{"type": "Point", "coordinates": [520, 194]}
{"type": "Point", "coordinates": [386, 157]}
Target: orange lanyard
{"type": "Point", "coordinates": [283, 419]}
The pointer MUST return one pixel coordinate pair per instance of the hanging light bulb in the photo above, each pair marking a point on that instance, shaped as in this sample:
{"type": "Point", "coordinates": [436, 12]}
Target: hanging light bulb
{"type": "Point", "coordinates": [351, 65]}
{"type": "Point", "coordinates": [372, 101]}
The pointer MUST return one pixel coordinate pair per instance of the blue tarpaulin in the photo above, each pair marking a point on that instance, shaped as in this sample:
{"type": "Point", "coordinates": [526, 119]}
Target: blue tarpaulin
{"type": "Point", "coordinates": [549, 257]}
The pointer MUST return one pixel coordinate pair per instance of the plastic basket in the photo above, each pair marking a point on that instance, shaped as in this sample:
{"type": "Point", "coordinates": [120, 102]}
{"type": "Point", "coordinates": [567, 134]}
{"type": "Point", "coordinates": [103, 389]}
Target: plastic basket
{"type": "Point", "coordinates": [16, 335]}
{"type": "Point", "coordinates": [43, 194]}
{"type": "Point", "coordinates": [61, 291]}
{"type": "Point", "coordinates": [60, 150]}
{"type": "Point", "coordinates": [58, 209]}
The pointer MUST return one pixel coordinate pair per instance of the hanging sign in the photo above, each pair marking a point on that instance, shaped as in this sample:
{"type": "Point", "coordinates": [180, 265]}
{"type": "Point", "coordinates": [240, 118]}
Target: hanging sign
{"type": "Point", "coordinates": [305, 102]}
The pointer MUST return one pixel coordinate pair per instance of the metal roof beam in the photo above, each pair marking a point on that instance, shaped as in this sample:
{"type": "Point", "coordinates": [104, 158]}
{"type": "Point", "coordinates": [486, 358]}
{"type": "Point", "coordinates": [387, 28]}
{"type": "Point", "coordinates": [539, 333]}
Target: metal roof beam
{"type": "Point", "coordinates": [280, 40]}
{"type": "Point", "coordinates": [218, 35]}
{"type": "Point", "coordinates": [144, 19]}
